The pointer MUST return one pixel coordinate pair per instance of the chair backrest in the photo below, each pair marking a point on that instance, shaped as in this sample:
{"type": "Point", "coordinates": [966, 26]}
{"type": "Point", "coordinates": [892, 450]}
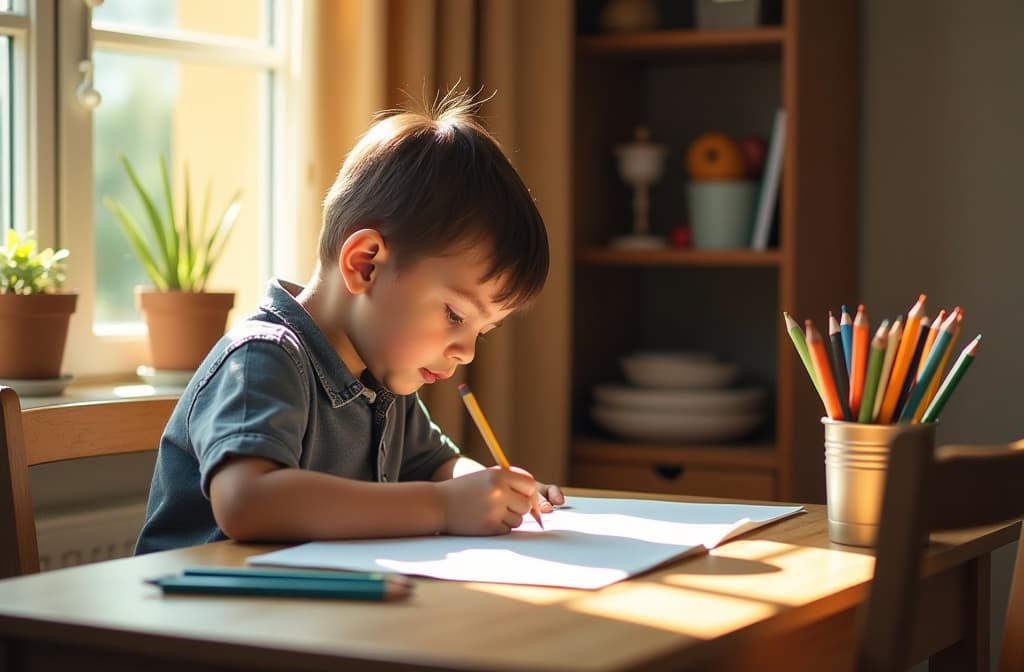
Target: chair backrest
{"type": "Point", "coordinates": [53, 434]}
{"type": "Point", "coordinates": [931, 489]}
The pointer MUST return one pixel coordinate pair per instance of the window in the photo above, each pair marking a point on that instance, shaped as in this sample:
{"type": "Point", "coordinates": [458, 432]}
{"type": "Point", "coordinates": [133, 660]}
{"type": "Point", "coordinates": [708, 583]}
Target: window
{"type": "Point", "coordinates": [200, 83]}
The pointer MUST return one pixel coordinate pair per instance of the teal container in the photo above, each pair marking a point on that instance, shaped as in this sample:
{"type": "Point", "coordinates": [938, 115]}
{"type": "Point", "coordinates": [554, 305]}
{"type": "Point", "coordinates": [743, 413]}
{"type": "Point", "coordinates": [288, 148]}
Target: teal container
{"type": "Point", "coordinates": [721, 213]}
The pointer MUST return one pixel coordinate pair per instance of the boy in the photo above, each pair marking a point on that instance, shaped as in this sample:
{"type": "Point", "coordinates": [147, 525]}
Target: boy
{"type": "Point", "coordinates": [303, 422]}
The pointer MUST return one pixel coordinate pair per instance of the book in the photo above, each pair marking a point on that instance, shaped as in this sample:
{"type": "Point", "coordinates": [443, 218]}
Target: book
{"type": "Point", "coordinates": [768, 196]}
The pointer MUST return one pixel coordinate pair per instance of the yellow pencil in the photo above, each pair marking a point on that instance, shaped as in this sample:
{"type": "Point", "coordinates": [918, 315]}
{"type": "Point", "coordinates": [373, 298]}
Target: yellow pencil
{"type": "Point", "coordinates": [490, 439]}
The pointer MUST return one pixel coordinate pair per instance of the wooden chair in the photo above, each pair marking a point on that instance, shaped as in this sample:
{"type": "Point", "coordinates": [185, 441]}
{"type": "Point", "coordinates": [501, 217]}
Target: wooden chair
{"type": "Point", "coordinates": [931, 489]}
{"type": "Point", "coordinates": [53, 434]}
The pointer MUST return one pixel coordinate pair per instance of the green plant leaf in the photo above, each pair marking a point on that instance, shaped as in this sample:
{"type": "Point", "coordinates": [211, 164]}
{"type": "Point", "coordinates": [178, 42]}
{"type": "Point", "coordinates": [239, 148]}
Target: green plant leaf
{"type": "Point", "coordinates": [187, 262]}
{"type": "Point", "coordinates": [219, 237]}
{"type": "Point", "coordinates": [173, 240]}
{"type": "Point", "coordinates": [133, 232]}
{"type": "Point", "coordinates": [156, 223]}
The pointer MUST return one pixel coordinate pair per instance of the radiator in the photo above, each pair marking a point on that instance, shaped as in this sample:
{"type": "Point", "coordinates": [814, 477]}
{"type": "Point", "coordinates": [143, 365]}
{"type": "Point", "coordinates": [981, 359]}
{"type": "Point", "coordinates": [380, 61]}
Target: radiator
{"type": "Point", "coordinates": [67, 539]}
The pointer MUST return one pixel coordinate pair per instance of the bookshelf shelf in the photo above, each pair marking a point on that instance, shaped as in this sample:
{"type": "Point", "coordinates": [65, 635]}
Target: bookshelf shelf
{"type": "Point", "coordinates": [681, 83]}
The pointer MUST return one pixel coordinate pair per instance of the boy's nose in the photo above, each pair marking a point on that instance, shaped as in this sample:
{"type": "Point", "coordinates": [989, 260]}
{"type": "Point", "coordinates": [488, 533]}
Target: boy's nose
{"type": "Point", "coordinates": [462, 350]}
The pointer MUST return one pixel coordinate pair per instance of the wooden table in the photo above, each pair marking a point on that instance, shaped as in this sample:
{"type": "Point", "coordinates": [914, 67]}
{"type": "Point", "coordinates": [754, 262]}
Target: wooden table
{"type": "Point", "coordinates": [782, 597]}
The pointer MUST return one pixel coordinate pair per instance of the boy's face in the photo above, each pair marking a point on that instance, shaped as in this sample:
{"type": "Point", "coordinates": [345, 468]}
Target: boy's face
{"type": "Point", "coordinates": [415, 326]}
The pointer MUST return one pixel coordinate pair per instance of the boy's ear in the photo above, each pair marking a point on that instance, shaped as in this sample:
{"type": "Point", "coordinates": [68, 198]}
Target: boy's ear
{"type": "Point", "coordinates": [361, 256]}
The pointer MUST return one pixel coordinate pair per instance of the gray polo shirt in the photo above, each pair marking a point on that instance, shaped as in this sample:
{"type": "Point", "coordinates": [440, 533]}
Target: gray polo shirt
{"type": "Point", "coordinates": [275, 387]}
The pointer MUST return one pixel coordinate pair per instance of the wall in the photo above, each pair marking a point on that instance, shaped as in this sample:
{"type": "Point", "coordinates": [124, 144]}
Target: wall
{"type": "Point", "coordinates": [942, 194]}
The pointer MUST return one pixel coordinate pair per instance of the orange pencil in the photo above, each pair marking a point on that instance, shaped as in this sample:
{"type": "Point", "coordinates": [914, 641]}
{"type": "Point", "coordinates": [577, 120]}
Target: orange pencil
{"type": "Point", "coordinates": [934, 386]}
{"type": "Point", "coordinates": [929, 341]}
{"type": "Point", "coordinates": [823, 370]}
{"type": "Point", "coordinates": [901, 365]}
{"type": "Point", "coordinates": [859, 359]}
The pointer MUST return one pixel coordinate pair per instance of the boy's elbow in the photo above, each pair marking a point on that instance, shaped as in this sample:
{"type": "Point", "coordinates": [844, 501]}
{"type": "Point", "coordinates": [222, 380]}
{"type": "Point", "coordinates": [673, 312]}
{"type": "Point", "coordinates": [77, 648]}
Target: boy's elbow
{"type": "Point", "coordinates": [235, 501]}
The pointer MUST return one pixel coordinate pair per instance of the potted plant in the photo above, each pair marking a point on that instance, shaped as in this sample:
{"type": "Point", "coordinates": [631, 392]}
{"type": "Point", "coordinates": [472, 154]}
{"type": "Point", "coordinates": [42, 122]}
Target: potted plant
{"type": "Point", "coordinates": [34, 311]}
{"type": "Point", "coordinates": [184, 320]}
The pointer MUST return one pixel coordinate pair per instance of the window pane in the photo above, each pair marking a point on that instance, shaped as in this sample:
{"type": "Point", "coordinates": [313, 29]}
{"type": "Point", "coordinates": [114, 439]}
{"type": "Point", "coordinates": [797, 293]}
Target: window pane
{"type": "Point", "coordinates": [6, 144]}
{"type": "Point", "coordinates": [207, 116]}
{"type": "Point", "coordinates": [244, 19]}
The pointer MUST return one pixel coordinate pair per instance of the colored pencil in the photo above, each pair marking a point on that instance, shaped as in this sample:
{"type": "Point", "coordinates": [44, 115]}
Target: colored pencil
{"type": "Point", "coordinates": [952, 379]}
{"type": "Point", "coordinates": [891, 346]}
{"type": "Point", "coordinates": [957, 316]}
{"type": "Point", "coordinates": [911, 377]}
{"type": "Point", "coordinates": [874, 371]}
{"type": "Point", "coordinates": [261, 586]}
{"type": "Point", "coordinates": [859, 360]}
{"type": "Point", "coordinates": [490, 439]}
{"type": "Point", "coordinates": [286, 574]}
{"type": "Point", "coordinates": [932, 333]}
{"type": "Point", "coordinates": [835, 339]}
{"type": "Point", "coordinates": [846, 332]}
{"type": "Point", "coordinates": [931, 368]}
{"type": "Point", "coordinates": [823, 370]}
{"type": "Point", "coordinates": [901, 365]}
{"type": "Point", "coordinates": [797, 336]}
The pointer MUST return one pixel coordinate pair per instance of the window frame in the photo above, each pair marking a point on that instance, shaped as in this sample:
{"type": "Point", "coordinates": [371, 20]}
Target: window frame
{"type": "Point", "coordinates": [92, 353]}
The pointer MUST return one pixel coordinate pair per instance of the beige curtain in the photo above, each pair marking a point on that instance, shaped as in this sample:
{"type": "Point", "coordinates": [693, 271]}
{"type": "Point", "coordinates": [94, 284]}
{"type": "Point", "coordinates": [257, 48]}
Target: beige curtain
{"type": "Point", "coordinates": [371, 55]}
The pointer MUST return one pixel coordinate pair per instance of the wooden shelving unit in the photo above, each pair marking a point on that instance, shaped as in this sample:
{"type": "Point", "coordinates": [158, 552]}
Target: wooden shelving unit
{"type": "Point", "coordinates": [680, 83]}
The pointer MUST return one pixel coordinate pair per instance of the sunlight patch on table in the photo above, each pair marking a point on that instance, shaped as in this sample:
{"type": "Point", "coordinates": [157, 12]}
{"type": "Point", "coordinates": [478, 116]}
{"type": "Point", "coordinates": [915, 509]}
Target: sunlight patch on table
{"type": "Point", "coordinates": [833, 571]}
{"type": "Point", "coordinates": [689, 612]}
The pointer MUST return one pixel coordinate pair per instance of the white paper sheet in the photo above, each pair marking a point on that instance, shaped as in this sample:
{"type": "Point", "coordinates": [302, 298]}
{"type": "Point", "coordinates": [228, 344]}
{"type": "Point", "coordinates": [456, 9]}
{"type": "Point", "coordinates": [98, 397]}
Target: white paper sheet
{"type": "Point", "coordinates": [588, 543]}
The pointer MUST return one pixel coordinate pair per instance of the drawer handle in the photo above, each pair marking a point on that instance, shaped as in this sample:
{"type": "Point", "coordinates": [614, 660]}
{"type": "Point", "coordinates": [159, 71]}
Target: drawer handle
{"type": "Point", "coordinates": [668, 472]}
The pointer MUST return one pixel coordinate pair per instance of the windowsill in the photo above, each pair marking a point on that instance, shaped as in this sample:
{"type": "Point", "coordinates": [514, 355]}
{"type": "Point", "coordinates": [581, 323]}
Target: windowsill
{"type": "Point", "coordinates": [102, 390]}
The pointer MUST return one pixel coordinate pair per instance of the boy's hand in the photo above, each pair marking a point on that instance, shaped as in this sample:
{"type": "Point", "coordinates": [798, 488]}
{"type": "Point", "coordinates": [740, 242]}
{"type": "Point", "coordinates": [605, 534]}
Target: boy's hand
{"type": "Point", "coordinates": [550, 496]}
{"type": "Point", "coordinates": [492, 501]}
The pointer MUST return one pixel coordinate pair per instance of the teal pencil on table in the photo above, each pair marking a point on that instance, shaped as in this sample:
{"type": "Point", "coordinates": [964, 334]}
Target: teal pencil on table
{"type": "Point", "coordinates": [796, 335]}
{"type": "Point", "coordinates": [952, 379]}
{"type": "Point", "coordinates": [272, 573]}
{"type": "Point", "coordinates": [284, 583]}
{"type": "Point", "coordinates": [846, 334]}
{"type": "Point", "coordinates": [931, 368]}
{"type": "Point", "coordinates": [874, 372]}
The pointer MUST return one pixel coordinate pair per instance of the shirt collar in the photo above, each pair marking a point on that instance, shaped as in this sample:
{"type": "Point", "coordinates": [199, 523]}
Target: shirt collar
{"type": "Point", "coordinates": [337, 381]}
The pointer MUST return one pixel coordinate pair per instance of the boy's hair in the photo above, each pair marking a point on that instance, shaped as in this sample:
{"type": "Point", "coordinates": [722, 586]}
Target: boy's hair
{"type": "Point", "coordinates": [434, 183]}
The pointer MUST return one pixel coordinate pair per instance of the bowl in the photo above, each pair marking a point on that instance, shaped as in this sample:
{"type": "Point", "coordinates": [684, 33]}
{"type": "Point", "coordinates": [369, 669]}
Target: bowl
{"type": "Point", "coordinates": [712, 400]}
{"type": "Point", "coordinates": [675, 427]}
{"type": "Point", "coordinates": [677, 369]}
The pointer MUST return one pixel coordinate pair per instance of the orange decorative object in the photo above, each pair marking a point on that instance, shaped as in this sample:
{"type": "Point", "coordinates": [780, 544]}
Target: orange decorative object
{"type": "Point", "coordinates": [715, 156]}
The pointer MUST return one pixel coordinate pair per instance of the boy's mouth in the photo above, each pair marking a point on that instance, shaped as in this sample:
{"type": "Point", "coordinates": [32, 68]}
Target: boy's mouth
{"type": "Point", "coordinates": [432, 376]}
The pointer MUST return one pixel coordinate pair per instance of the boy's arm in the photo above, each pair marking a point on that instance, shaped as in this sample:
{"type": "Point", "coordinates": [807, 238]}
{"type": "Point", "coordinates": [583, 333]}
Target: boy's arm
{"type": "Point", "coordinates": [256, 499]}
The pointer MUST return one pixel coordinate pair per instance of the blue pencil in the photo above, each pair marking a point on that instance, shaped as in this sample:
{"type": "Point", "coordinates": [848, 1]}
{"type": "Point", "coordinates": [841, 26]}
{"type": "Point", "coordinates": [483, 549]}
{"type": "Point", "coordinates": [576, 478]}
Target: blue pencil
{"type": "Point", "coordinates": [846, 334]}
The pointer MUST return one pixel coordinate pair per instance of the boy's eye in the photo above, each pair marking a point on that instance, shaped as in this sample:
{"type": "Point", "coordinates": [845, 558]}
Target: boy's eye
{"type": "Point", "coordinates": [454, 317]}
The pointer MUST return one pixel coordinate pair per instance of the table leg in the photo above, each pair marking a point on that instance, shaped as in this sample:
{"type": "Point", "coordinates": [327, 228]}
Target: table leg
{"type": "Point", "coordinates": [972, 651]}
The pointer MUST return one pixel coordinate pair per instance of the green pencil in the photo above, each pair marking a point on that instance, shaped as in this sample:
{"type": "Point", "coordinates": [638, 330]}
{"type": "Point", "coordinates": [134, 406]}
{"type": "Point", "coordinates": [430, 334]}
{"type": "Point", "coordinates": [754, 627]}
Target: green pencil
{"type": "Point", "coordinates": [797, 336]}
{"type": "Point", "coordinates": [930, 370]}
{"type": "Point", "coordinates": [874, 372]}
{"type": "Point", "coordinates": [951, 380]}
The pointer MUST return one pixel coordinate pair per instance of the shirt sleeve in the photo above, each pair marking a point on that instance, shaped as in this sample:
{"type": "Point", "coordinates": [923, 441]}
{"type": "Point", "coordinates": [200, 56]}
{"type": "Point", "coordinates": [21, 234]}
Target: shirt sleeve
{"type": "Point", "coordinates": [426, 446]}
{"type": "Point", "coordinates": [254, 404]}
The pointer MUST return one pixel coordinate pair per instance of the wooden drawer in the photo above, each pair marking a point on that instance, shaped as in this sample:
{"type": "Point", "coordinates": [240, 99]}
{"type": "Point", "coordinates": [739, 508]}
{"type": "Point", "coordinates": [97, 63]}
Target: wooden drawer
{"type": "Point", "coordinates": [675, 479]}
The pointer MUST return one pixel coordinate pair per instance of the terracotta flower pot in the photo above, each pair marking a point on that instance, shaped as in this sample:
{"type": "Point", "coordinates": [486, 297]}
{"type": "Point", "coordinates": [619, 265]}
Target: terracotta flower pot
{"type": "Point", "coordinates": [33, 332]}
{"type": "Point", "coordinates": [183, 326]}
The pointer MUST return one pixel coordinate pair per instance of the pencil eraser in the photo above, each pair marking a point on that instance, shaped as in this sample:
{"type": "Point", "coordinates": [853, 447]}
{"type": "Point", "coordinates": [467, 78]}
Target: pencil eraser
{"type": "Point", "coordinates": [463, 389]}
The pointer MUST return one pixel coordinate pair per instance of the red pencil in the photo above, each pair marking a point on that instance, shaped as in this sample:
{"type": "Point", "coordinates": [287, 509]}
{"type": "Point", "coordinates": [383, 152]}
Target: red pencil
{"type": "Point", "coordinates": [859, 360]}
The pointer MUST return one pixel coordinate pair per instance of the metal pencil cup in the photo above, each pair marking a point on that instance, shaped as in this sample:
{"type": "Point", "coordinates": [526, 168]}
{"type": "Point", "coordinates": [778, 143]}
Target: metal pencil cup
{"type": "Point", "coordinates": [856, 459]}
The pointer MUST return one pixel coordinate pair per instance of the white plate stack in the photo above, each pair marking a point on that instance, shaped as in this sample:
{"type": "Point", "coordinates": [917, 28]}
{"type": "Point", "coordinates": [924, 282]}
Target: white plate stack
{"type": "Point", "coordinates": [678, 396]}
